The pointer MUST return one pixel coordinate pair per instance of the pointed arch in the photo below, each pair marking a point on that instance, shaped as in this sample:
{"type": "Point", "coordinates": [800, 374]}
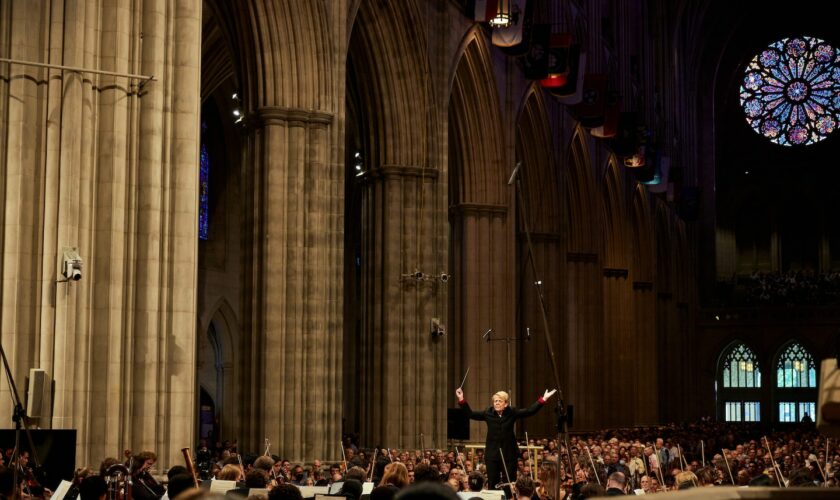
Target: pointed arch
{"type": "Point", "coordinates": [664, 272]}
{"type": "Point", "coordinates": [393, 86]}
{"type": "Point", "coordinates": [284, 51]}
{"type": "Point", "coordinates": [579, 188]}
{"type": "Point", "coordinates": [643, 236]}
{"type": "Point", "coordinates": [794, 366]}
{"type": "Point", "coordinates": [794, 382]}
{"type": "Point", "coordinates": [475, 123]}
{"type": "Point", "coordinates": [217, 362]}
{"type": "Point", "coordinates": [739, 383]}
{"type": "Point", "coordinates": [739, 367]}
{"type": "Point", "coordinates": [615, 217]}
{"type": "Point", "coordinates": [539, 174]}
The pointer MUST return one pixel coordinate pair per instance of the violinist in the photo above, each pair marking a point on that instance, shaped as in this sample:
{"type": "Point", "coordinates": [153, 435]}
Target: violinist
{"type": "Point", "coordinates": [145, 487]}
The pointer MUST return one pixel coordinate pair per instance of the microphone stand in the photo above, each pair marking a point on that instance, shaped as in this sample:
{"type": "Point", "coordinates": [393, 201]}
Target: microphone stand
{"type": "Point", "coordinates": [507, 341]}
{"type": "Point", "coordinates": [19, 417]}
{"type": "Point", "coordinates": [560, 408]}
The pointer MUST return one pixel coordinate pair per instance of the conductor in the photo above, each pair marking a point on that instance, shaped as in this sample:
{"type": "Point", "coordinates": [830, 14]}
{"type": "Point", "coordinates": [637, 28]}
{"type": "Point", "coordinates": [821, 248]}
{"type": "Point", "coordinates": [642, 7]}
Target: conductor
{"type": "Point", "coordinates": [500, 420]}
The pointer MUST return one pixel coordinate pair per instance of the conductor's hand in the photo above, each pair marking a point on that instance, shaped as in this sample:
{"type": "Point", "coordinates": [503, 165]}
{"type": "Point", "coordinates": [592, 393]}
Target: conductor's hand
{"type": "Point", "coordinates": [548, 394]}
{"type": "Point", "coordinates": [460, 393]}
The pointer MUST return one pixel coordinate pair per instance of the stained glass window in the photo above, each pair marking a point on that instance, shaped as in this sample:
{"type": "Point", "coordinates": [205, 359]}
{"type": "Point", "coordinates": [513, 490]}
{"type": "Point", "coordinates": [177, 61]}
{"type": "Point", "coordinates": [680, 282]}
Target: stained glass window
{"type": "Point", "coordinates": [791, 91]}
{"type": "Point", "coordinates": [740, 368]}
{"type": "Point", "coordinates": [796, 368]}
{"type": "Point", "coordinates": [203, 191]}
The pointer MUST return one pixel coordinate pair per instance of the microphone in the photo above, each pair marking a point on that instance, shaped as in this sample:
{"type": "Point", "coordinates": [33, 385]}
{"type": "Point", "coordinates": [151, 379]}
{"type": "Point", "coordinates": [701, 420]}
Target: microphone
{"type": "Point", "coordinates": [487, 334]}
{"type": "Point", "coordinates": [527, 333]}
{"type": "Point", "coordinates": [515, 173]}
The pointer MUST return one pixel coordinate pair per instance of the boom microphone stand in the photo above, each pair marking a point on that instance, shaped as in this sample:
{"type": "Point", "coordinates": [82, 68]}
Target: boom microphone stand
{"type": "Point", "coordinates": [20, 418]}
{"type": "Point", "coordinates": [560, 409]}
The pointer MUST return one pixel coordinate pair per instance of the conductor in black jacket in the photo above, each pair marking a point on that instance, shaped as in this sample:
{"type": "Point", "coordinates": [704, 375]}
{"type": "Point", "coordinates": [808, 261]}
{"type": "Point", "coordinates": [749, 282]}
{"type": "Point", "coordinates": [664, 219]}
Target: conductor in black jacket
{"type": "Point", "coordinates": [500, 420]}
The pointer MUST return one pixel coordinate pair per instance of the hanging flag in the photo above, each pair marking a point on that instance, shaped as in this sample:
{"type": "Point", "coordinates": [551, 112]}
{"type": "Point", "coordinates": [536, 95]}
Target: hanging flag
{"type": "Point", "coordinates": [572, 91]}
{"type": "Point", "coordinates": [590, 110]}
{"type": "Point", "coordinates": [611, 114]}
{"type": "Point", "coordinates": [535, 61]}
{"type": "Point", "coordinates": [482, 11]}
{"type": "Point", "coordinates": [558, 60]}
{"type": "Point", "coordinates": [514, 39]}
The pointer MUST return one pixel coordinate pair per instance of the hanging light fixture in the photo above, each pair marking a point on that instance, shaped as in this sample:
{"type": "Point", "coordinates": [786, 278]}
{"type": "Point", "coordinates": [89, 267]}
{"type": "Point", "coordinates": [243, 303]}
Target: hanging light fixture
{"type": "Point", "coordinates": [503, 17]}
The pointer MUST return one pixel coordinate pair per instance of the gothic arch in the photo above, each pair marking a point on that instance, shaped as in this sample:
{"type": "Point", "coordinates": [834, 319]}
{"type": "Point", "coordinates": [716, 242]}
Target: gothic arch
{"type": "Point", "coordinates": [615, 241]}
{"type": "Point", "coordinates": [285, 49]}
{"type": "Point", "coordinates": [643, 236]}
{"type": "Point", "coordinates": [664, 245]}
{"type": "Point", "coordinates": [739, 383]}
{"type": "Point", "coordinates": [539, 172]}
{"type": "Point", "coordinates": [475, 123]}
{"type": "Point", "coordinates": [217, 363]}
{"type": "Point", "coordinates": [395, 85]}
{"type": "Point", "coordinates": [579, 188]}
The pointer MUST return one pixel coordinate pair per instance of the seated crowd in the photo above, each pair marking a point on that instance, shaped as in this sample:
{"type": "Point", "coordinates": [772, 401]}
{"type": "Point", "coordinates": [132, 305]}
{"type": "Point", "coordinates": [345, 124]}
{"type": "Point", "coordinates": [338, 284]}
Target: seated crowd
{"type": "Point", "coordinates": [621, 461]}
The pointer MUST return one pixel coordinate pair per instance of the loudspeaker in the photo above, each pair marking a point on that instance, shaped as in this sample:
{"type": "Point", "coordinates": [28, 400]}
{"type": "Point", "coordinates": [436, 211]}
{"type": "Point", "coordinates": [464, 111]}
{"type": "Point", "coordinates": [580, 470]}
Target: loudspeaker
{"type": "Point", "coordinates": [457, 425]}
{"type": "Point", "coordinates": [39, 396]}
{"type": "Point", "coordinates": [56, 450]}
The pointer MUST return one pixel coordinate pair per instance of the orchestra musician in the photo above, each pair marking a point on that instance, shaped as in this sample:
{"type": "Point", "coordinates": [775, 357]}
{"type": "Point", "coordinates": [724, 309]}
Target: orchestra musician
{"type": "Point", "coordinates": [145, 486]}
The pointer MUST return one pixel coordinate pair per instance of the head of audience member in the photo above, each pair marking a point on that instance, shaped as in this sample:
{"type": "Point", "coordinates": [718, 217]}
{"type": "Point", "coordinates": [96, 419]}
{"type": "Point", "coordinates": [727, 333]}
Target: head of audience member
{"type": "Point", "coordinates": [285, 491]}
{"type": "Point", "coordinates": [592, 490]}
{"type": "Point", "coordinates": [356, 473]}
{"type": "Point", "coordinates": [617, 481]}
{"type": "Point", "coordinates": [256, 478]}
{"type": "Point", "coordinates": [475, 481]}
{"type": "Point", "coordinates": [395, 474]}
{"type": "Point", "coordinates": [427, 490]}
{"type": "Point", "coordinates": [92, 488]}
{"type": "Point", "coordinates": [524, 487]}
{"type": "Point", "coordinates": [425, 473]}
{"type": "Point", "coordinates": [229, 472]}
{"type": "Point", "coordinates": [264, 462]}
{"type": "Point", "coordinates": [386, 492]}
{"type": "Point", "coordinates": [351, 489]}
{"type": "Point", "coordinates": [178, 484]}
{"type": "Point", "coordinates": [685, 480]}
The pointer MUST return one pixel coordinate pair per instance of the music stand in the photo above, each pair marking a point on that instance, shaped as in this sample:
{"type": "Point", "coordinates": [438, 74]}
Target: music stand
{"type": "Point", "coordinates": [20, 418]}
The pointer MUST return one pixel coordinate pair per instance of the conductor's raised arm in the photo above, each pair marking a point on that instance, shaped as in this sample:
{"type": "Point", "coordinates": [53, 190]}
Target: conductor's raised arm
{"type": "Point", "coordinates": [465, 407]}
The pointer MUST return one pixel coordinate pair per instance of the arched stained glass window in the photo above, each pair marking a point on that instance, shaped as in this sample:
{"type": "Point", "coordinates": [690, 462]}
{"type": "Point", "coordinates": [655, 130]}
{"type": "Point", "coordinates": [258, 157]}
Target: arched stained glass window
{"type": "Point", "coordinates": [740, 368]}
{"type": "Point", "coordinates": [796, 368]}
{"type": "Point", "coordinates": [204, 190]}
{"type": "Point", "coordinates": [791, 91]}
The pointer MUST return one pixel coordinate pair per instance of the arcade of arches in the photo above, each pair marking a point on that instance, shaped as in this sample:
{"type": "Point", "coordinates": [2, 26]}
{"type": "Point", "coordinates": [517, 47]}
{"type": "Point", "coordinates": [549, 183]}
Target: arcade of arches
{"type": "Point", "coordinates": [351, 159]}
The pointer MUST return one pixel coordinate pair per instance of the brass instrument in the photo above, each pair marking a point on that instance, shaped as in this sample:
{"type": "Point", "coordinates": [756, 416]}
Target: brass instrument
{"type": "Point", "coordinates": [118, 479]}
{"type": "Point", "coordinates": [188, 462]}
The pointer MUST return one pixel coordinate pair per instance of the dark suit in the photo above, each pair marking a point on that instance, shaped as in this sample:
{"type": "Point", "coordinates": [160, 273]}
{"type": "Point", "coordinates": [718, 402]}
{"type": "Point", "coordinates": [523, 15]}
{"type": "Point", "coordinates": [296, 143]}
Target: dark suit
{"type": "Point", "coordinates": [500, 435]}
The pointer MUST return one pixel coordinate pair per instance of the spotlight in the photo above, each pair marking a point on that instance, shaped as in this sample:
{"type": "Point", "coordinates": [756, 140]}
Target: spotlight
{"type": "Point", "coordinates": [444, 277]}
{"type": "Point", "coordinates": [358, 167]}
{"type": "Point", "coordinates": [357, 155]}
{"type": "Point", "coordinates": [235, 96]}
{"type": "Point", "coordinates": [236, 112]}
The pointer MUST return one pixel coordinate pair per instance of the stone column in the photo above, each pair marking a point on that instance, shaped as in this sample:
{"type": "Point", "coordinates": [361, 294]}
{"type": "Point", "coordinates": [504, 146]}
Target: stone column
{"type": "Point", "coordinates": [294, 286]}
{"type": "Point", "coordinates": [645, 364]}
{"type": "Point", "coordinates": [616, 360]}
{"type": "Point", "coordinates": [403, 366]}
{"type": "Point", "coordinates": [484, 297]}
{"type": "Point", "coordinates": [585, 341]}
{"type": "Point", "coordinates": [95, 163]}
